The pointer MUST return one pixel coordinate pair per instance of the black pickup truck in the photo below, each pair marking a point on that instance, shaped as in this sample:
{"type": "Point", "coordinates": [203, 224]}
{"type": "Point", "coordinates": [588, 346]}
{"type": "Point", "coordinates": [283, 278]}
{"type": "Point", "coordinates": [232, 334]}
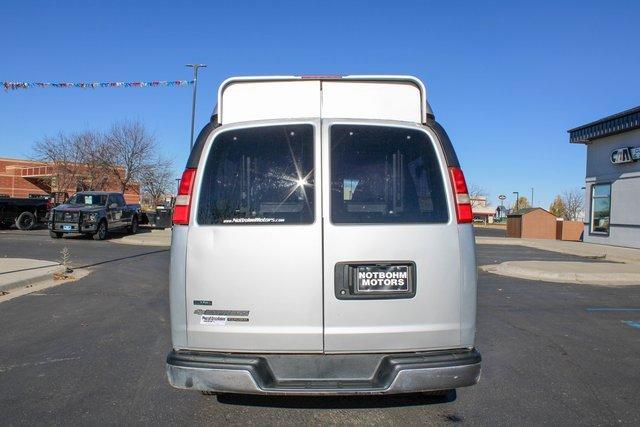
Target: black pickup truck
{"type": "Point", "coordinates": [25, 213]}
{"type": "Point", "coordinates": [94, 213]}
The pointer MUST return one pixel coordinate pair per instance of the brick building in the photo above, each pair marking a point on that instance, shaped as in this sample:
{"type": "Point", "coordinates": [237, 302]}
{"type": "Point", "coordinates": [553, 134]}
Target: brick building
{"type": "Point", "coordinates": [28, 178]}
{"type": "Point", "coordinates": [532, 223]}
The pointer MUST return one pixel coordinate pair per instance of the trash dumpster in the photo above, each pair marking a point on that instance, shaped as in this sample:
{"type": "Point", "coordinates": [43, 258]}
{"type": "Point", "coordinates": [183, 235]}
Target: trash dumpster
{"type": "Point", "coordinates": [163, 217]}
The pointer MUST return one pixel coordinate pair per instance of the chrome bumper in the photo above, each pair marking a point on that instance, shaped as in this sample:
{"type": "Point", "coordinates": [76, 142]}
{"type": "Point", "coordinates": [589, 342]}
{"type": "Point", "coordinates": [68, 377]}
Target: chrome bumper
{"type": "Point", "coordinates": [323, 374]}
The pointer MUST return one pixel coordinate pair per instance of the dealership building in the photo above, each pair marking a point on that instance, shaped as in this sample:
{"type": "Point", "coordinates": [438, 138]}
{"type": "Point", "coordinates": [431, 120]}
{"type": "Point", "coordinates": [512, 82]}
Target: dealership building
{"type": "Point", "coordinates": [28, 178]}
{"type": "Point", "coordinates": [612, 184]}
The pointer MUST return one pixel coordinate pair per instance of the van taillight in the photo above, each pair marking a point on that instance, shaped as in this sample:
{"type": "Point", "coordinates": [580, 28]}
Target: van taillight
{"type": "Point", "coordinates": [461, 193]}
{"type": "Point", "coordinates": [182, 206]}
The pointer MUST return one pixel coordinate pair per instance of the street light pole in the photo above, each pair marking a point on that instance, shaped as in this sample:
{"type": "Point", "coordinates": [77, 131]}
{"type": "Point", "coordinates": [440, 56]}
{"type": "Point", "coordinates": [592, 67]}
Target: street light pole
{"type": "Point", "coordinates": [517, 200]}
{"type": "Point", "coordinates": [195, 91]}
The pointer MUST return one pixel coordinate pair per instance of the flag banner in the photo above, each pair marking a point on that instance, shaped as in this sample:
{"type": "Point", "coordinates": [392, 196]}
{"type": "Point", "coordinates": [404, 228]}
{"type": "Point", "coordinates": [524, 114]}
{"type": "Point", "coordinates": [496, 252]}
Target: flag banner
{"type": "Point", "coordinates": [93, 85]}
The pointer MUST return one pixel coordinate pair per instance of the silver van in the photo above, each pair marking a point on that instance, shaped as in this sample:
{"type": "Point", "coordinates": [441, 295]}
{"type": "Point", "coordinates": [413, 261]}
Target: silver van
{"type": "Point", "coordinates": [322, 244]}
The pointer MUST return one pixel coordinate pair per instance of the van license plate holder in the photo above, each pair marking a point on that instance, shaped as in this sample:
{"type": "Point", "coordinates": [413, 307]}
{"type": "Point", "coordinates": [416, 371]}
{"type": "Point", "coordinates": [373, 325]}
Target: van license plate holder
{"type": "Point", "coordinates": [375, 280]}
{"type": "Point", "coordinates": [382, 279]}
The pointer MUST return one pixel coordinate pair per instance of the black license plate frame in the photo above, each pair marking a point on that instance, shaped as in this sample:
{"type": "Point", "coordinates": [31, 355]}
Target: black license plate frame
{"type": "Point", "coordinates": [348, 285]}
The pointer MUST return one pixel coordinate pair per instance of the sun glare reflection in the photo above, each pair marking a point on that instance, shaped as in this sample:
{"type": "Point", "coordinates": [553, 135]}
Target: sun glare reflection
{"type": "Point", "coordinates": [299, 181]}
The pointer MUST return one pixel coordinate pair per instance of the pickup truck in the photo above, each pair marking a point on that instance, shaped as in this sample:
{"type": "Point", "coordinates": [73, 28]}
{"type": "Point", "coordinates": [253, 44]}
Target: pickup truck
{"type": "Point", "coordinates": [25, 213]}
{"type": "Point", "coordinates": [94, 213]}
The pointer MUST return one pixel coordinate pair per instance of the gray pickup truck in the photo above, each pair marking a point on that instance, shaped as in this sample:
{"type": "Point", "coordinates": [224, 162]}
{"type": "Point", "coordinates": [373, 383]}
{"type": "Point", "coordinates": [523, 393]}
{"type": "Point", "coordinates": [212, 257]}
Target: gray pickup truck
{"type": "Point", "coordinates": [94, 213]}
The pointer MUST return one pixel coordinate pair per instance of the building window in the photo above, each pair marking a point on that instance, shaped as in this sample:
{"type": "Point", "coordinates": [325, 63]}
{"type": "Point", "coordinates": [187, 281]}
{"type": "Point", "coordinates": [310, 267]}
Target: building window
{"type": "Point", "coordinates": [600, 208]}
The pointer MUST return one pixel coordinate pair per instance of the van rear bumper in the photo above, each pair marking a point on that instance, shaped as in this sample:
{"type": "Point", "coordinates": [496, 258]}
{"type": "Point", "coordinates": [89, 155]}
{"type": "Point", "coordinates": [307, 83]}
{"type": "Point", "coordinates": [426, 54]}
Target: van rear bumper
{"type": "Point", "coordinates": [323, 374]}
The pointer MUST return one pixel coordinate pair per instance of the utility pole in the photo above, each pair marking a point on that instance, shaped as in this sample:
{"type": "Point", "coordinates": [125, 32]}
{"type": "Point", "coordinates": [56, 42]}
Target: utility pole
{"type": "Point", "coordinates": [517, 200]}
{"type": "Point", "coordinates": [532, 205]}
{"type": "Point", "coordinates": [195, 91]}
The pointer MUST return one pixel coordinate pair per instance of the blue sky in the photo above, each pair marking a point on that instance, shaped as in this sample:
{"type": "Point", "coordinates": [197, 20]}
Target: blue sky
{"type": "Point", "coordinates": [506, 79]}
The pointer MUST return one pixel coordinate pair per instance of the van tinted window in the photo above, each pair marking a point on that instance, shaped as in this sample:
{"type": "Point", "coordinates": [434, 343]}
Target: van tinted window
{"type": "Point", "coordinates": [260, 175]}
{"type": "Point", "coordinates": [385, 175]}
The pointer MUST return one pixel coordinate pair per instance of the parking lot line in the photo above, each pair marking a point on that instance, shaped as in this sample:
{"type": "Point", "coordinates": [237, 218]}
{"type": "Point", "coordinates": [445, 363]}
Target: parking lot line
{"type": "Point", "coordinates": [632, 323]}
{"type": "Point", "coordinates": [613, 309]}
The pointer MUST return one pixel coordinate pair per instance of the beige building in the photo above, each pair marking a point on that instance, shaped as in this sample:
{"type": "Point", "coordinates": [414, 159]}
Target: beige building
{"type": "Point", "coordinates": [481, 211]}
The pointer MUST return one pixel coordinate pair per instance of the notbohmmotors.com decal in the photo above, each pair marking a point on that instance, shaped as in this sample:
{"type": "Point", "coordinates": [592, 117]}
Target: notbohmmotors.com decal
{"type": "Point", "coordinates": [221, 317]}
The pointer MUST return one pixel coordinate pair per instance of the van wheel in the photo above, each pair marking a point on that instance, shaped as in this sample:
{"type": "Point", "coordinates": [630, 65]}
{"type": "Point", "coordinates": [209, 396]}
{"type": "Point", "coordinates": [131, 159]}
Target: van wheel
{"type": "Point", "coordinates": [55, 235]}
{"type": "Point", "coordinates": [102, 232]}
{"type": "Point", "coordinates": [26, 221]}
{"type": "Point", "coordinates": [133, 228]}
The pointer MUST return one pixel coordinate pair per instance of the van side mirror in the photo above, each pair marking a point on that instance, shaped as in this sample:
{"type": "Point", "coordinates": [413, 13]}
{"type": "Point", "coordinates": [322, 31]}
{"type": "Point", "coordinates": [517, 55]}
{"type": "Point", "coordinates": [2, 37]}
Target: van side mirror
{"type": "Point", "coordinates": [113, 205]}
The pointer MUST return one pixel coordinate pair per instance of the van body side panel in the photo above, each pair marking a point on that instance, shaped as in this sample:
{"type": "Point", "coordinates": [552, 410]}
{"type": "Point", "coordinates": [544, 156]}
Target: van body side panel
{"type": "Point", "coordinates": [468, 285]}
{"type": "Point", "coordinates": [177, 286]}
{"type": "Point", "coordinates": [428, 320]}
{"type": "Point", "coordinates": [255, 287]}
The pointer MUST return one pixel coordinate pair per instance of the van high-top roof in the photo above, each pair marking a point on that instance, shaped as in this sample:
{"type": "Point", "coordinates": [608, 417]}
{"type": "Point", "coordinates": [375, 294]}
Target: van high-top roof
{"type": "Point", "coordinates": [402, 98]}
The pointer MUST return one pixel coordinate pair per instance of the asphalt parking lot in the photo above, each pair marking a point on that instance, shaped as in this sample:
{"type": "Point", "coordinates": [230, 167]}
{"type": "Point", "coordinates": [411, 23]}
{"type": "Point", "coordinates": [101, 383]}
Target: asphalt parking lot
{"type": "Point", "coordinates": [92, 352]}
{"type": "Point", "coordinates": [491, 231]}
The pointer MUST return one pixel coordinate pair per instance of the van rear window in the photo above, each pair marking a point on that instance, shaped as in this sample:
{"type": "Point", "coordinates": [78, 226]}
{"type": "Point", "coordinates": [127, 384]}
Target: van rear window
{"type": "Point", "coordinates": [258, 176]}
{"type": "Point", "coordinates": [385, 175]}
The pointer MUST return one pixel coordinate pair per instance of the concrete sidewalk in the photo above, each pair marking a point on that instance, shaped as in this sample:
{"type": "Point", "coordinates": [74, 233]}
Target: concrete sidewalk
{"type": "Point", "coordinates": [587, 250]}
{"type": "Point", "coordinates": [593, 273]}
{"type": "Point", "coordinates": [21, 276]}
{"type": "Point", "coordinates": [145, 237]}
{"type": "Point", "coordinates": [623, 270]}
{"type": "Point", "coordinates": [19, 272]}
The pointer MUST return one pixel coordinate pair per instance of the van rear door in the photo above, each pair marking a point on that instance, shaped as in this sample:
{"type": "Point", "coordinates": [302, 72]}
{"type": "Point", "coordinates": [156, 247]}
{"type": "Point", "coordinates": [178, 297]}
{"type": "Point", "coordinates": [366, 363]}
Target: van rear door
{"type": "Point", "coordinates": [391, 252]}
{"type": "Point", "coordinates": [254, 257]}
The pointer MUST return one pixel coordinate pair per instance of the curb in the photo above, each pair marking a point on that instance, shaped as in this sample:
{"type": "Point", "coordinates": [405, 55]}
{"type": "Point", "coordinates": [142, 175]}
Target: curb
{"type": "Point", "coordinates": [47, 273]}
{"type": "Point", "coordinates": [42, 284]}
{"type": "Point", "coordinates": [606, 279]}
{"type": "Point", "coordinates": [158, 238]}
{"type": "Point", "coordinates": [140, 242]}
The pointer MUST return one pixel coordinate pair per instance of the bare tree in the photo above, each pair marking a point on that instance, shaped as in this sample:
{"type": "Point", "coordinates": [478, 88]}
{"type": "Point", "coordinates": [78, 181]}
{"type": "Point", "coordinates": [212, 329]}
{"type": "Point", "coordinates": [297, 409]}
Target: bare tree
{"type": "Point", "coordinates": [574, 203]}
{"type": "Point", "coordinates": [92, 160]}
{"type": "Point", "coordinates": [77, 160]}
{"type": "Point", "coordinates": [61, 152]}
{"type": "Point", "coordinates": [157, 181]}
{"type": "Point", "coordinates": [94, 156]}
{"type": "Point", "coordinates": [131, 152]}
{"type": "Point", "coordinates": [479, 196]}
